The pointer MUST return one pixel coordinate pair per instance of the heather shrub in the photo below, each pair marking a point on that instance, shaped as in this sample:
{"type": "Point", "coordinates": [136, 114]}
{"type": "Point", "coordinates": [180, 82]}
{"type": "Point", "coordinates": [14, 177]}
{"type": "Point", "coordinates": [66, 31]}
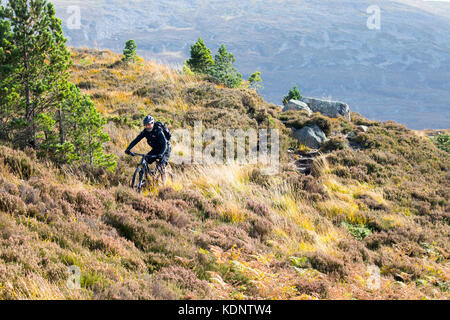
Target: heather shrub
{"type": "Point", "coordinates": [344, 127]}
{"type": "Point", "coordinates": [322, 122]}
{"type": "Point", "coordinates": [174, 215]}
{"type": "Point", "coordinates": [316, 288]}
{"type": "Point", "coordinates": [306, 187]}
{"type": "Point", "coordinates": [312, 185]}
{"type": "Point", "coordinates": [29, 195]}
{"type": "Point", "coordinates": [226, 237]}
{"type": "Point", "coordinates": [367, 201]}
{"type": "Point", "coordinates": [85, 172]}
{"type": "Point", "coordinates": [180, 204]}
{"type": "Point", "coordinates": [126, 290]}
{"type": "Point", "coordinates": [157, 91]}
{"type": "Point", "coordinates": [19, 163]}
{"type": "Point", "coordinates": [394, 236]}
{"type": "Point", "coordinates": [7, 226]}
{"type": "Point", "coordinates": [366, 140]}
{"type": "Point", "coordinates": [402, 269]}
{"type": "Point", "coordinates": [168, 193]}
{"type": "Point", "coordinates": [70, 196]}
{"type": "Point", "coordinates": [131, 229]}
{"type": "Point", "coordinates": [155, 261]}
{"type": "Point", "coordinates": [335, 143]}
{"type": "Point", "coordinates": [355, 251]}
{"type": "Point", "coordinates": [38, 211]}
{"type": "Point", "coordinates": [66, 208]}
{"type": "Point", "coordinates": [260, 227]}
{"type": "Point", "coordinates": [8, 187]}
{"type": "Point", "coordinates": [198, 94]}
{"type": "Point", "coordinates": [358, 119]}
{"type": "Point", "coordinates": [187, 281]}
{"type": "Point", "coordinates": [106, 198]}
{"type": "Point", "coordinates": [257, 177]}
{"type": "Point", "coordinates": [326, 263]}
{"type": "Point", "coordinates": [205, 209]}
{"type": "Point", "coordinates": [11, 204]}
{"type": "Point", "coordinates": [161, 291]}
{"type": "Point", "coordinates": [151, 208]}
{"type": "Point", "coordinates": [342, 172]}
{"type": "Point", "coordinates": [124, 194]}
{"type": "Point", "coordinates": [294, 118]}
{"type": "Point", "coordinates": [165, 210]}
{"type": "Point", "coordinates": [259, 208]}
{"type": "Point", "coordinates": [87, 203]}
{"type": "Point", "coordinates": [86, 85]}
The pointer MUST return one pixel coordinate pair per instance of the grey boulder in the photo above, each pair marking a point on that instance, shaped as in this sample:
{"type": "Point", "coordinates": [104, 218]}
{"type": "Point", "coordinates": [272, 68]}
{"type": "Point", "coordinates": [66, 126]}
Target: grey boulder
{"type": "Point", "coordinates": [332, 109]}
{"type": "Point", "coordinates": [363, 128]}
{"type": "Point", "coordinates": [312, 137]}
{"type": "Point", "coordinates": [297, 105]}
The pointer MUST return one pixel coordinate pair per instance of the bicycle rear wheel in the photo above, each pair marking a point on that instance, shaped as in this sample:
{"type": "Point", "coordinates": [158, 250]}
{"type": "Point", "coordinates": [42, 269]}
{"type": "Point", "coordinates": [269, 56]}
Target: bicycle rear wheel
{"type": "Point", "coordinates": [159, 175]}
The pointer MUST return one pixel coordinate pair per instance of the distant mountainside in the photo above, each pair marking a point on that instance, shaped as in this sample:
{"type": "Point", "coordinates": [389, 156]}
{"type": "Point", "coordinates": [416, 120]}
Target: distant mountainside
{"type": "Point", "coordinates": [400, 72]}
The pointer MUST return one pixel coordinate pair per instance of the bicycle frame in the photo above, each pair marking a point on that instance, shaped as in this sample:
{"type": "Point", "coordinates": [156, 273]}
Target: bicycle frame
{"type": "Point", "coordinates": [145, 164]}
{"type": "Point", "coordinates": [143, 161]}
{"type": "Point", "coordinates": [153, 173]}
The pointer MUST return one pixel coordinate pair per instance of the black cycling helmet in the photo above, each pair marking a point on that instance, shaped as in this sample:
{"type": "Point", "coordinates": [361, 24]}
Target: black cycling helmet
{"type": "Point", "coordinates": [148, 119]}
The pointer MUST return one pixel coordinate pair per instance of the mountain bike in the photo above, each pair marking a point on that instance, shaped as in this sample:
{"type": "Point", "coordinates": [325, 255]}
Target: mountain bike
{"type": "Point", "coordinates": [145, 177]}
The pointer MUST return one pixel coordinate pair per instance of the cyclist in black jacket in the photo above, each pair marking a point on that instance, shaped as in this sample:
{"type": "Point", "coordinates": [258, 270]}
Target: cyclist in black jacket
{"type": "Point", "coordinates": [156, 139]}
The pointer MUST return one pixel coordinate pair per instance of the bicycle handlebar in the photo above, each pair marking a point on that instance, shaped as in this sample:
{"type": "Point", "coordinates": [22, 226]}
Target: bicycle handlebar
{"type": "Point", "coordinates": [141, 155]}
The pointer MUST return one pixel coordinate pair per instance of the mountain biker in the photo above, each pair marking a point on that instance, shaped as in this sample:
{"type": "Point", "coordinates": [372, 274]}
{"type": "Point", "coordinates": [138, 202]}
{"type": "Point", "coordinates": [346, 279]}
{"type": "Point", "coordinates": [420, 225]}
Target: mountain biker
{"type": "Point", "coordinates": [156, 139]}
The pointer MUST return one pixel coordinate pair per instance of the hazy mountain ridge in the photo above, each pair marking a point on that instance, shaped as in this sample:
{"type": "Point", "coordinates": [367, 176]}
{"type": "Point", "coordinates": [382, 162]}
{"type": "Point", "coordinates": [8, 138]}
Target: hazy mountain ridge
{"type": "Point", "coordinates": [400, 72]}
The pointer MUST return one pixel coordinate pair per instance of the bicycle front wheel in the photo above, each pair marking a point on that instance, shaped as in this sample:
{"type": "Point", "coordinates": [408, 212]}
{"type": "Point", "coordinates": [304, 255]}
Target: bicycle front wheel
{"type": "Point", "coordinates": [138, 182]}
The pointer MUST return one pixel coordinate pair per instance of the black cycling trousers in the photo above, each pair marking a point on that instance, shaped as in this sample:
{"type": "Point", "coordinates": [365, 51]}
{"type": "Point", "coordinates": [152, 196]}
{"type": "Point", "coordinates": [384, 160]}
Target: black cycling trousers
{"type": "Point", "coordinates": [150, 157]}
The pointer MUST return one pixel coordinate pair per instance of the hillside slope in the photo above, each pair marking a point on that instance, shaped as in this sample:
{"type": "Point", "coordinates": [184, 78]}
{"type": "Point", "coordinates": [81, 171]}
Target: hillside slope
{"type": "Point", "coordinates": [225, 232]}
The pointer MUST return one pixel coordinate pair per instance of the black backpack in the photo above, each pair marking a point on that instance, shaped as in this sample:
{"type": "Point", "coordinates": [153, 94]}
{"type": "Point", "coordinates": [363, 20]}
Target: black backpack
{"type": "Point", "coordinates": [164, 129]}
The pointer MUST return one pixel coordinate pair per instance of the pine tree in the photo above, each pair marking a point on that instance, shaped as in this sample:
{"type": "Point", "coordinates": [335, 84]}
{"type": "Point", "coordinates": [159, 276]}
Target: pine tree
{"type": "Point", "coordinates": [129, 52]}
{"type": "Point", "coordinates": [8, 88]}
{"type": "Point", "coordinates": [443, 142]}
{"type": "Point", "coordinates": [46, 134]}
{"type": "Point", "coordinates": [294, 94]}
{"type": "Point", "coordinates": [186, 70]}
{"type": "Point", "coordinates": [66, 123]}
{"type": "Point", "coordinates": [39, 107]}
{"type": "Point", "coordinates": [81, 135]}
{"type": "Point", "coordinates": [201, 60]}
{"type": "Point", "coordinates": [88, 138]}
{"type": "Point", "coordinates": [34, 65]}
{"type": "Point", "coordinates": [255, 81]}
{"type": "Point", "coordinates": [224, 70]}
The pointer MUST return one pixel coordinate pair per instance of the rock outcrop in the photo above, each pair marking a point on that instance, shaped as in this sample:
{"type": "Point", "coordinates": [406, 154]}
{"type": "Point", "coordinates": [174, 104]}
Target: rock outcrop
{"type": "Point", "coordinates": [312, 136]}
{"type": "Point", "coordinates": [297, 105]}
{"type": "Point", "coordinates": [332, 109]}
{"type": "Point", "coordinates": [363, 128]}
